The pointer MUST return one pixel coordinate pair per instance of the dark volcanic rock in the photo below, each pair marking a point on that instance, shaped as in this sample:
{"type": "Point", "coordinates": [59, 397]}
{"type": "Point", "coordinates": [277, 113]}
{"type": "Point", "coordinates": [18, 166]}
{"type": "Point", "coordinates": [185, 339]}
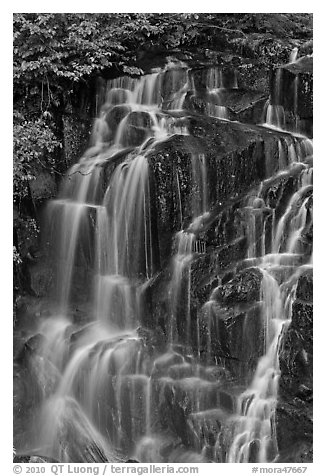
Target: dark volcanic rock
{"type": "Point", "coordinates": [234, 251]}
{"type": "Point", "coordinates": [197, 102]}
{"type": "Point", "coordinates": [301, 65]}
{"type": "Point", "coordinates": [298, 453]}
{"type": "Point", "coordinates": [200, 77]}
{"type": "Point", "coordinates": [152, 339]}
{"type": "Point", "coordinates": [137, 128]}
{"type": "Point", "coordinates": [41, 278]}
{"type": "Point", "coordinates": [115, 115]}
{"type": "Point", "coordinates": [230, 323]}
{"type": "Point", "coordinates": [155, 308]}
{"type": "Point", "coordinates": [252, 112]}
{"type": "Point", "coordinates": [236, 157]}
{"type": "Point", "coordinates": [76, 439]}
{"type": "Point", "coordinates": [173, 81]}
{"type": "Point", "coordinates": [294, 431]}
{"type": "Point", "coordinates": [294, 409]}
{"type": "Point", "coordinates": [296, 352]}
{"type": "Point", "coordinates": [244, 288]}
{"type": "Point", "coordinates": [305, 287]}
{"type": "Point", "coordinates": [305, 96]}
{"type": "Point", "coordinates": [292, 87]}
{"type": "Point", "coordinates": [231, 334]}
{"type": "Point", "coordinates": [242, 105]}
{"type": "Point", "coordinates": [171, 187]}
{"type": "Point", "coordinates": [243, 336]}
{"type": "Point", "coordinates": [253, 75]}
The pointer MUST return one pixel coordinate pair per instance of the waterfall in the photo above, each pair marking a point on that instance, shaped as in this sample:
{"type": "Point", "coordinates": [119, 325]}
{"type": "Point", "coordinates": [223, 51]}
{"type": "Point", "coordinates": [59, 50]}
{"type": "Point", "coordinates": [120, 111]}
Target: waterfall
{"type": "Point", "coordinates": [162, 385]}
{"type": "Point", "coordinates": [186, 246]}
{"type": "Point", "coordinates": [118, 225]}
{"type": "Point", "coordinates": [282, 110]}
{"type": "Point", "coordinates": [181, 266]}
{"type": "Point", "coordinates": [102, 220]}
{"type": "Point", "coordinates": [254, 432]}
{"type": "Point", "coordinates": [216, 85]}
{"type": "Point", "coordinates": [275, 114]}
{"type": "Point", "coordinates": [293, 55]}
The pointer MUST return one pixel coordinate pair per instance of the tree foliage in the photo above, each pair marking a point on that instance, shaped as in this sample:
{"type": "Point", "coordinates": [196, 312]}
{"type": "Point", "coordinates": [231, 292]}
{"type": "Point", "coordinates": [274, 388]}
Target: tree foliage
{"type": "Point", "coordinates": [34, 143]}
{"type": "Point", "coordinates": [74, 45]}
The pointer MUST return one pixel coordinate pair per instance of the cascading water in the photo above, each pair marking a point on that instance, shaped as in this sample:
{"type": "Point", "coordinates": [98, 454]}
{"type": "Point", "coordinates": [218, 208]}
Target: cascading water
{"type": "Point", "coordinates": [181, 266]}
{"type": "Point", "coordinates": [119, 226]}
{"type": "Point", "coordinates": [293, 55]}
{"type": "Point", "coordinates": [216, 86]}
{"type": "Point", "coordinates": [181, 272]}
{"type": "Point", "coordinates": [112, 234]}
{"type": "Point", "coordinates": [116, 396]}
{"type": "Point", "coordinates": [254, 433]}
{"type": "Point", "coordinates": [276, 115]}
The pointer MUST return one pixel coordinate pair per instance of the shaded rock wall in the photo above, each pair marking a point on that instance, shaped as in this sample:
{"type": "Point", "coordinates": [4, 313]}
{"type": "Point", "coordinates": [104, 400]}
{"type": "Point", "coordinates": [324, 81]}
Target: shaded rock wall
{"type": "Point", "coordinates": [291, 86]}
{"type": "Point", "coordinates": [294, 410]}
{"type": "Point", "coordinates": [236, 157]}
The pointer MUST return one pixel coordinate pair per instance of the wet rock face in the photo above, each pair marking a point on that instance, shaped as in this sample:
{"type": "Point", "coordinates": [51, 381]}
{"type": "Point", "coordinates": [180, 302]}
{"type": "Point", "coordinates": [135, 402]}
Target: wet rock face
{"type": "Point", "coordinates": [305, 287]}
{"type": "Point", "coordinates": [237, 323]}
{"type": "Point", "coordinates": [294, 431]}
{"type": "Point", "coordinates": [305, 96]}
{"type": "Point", "coordinates": [204, 278]}
{"type": "Point", "coordinates": [291, 86]}
{"type": "Point", "coordinates": [171, 189]}
{"type": "Point", "coordinates": [41, 278]}
{"type": "Point", "coordinates": [242, 105]}
{"type": "Point", "coordinates": [196, 102]}
{"type": "Point", "coordinates": [232, 252]}
{"type": "Point", "coordinates": [76, 135]}
{"type": "Point", "coordinates": [43, 187]}
{"type": "Point", "coordinates": [234, 157]}
{"type": "Point", "coordinates": [294, 410]}
{"type": "Point", "coordinates": [230, 334]}
{"type": "Point", "coordinates": [228, 325]}
{"type": "Point", "coordinates": [173, 81]}
{"type": "Point", "coordinates": [253, 75]}
{"type": "Point", "coordinates": [83, 445]}
{"type": "Point", "coordinates": [137, 128]}
{"type": "Point", "coordinates": [114, 116]}
{"type": "Point", "coordinates": [201, 81]}
{"type": "Point", "coordinates": [296, 355]}
{"type": "Point", "coordinates": [152, 339]}
{"type": "Point", "coordinates": [155, 309]}
{"type": "Point", "coordinates": [34, 378]}
{"type": "Point", "coordinates": [238, 156]}
{"type": "Point", "coordinates": [244, 288]}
